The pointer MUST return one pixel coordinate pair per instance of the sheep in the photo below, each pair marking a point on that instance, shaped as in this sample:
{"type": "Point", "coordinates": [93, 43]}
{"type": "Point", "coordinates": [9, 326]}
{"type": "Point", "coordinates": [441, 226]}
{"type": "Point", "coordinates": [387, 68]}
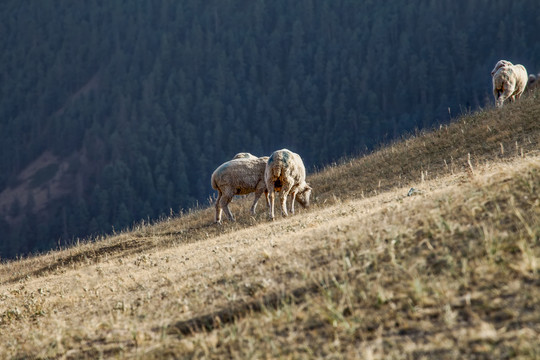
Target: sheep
{"type": "Point", "coordinates": [509, 81]}
{"type": "Point", "coordinates": [285, 172]}
{"type": "Point", "coordinates": [534, 82]}
{"type": "Point", "coordinates": [239, 176]}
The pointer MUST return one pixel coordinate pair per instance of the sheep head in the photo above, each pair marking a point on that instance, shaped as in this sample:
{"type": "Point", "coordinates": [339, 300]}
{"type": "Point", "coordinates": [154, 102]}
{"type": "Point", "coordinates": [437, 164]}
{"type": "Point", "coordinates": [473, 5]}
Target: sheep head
{"type": "Point", "coordinates": [303, 195]}
{"type": "Point", "coordinates": [499, 65]}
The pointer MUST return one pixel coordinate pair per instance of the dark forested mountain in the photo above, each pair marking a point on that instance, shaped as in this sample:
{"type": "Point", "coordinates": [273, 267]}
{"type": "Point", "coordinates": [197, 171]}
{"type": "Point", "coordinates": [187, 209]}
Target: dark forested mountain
{"type": "Point", "coordinates": [117, 111]}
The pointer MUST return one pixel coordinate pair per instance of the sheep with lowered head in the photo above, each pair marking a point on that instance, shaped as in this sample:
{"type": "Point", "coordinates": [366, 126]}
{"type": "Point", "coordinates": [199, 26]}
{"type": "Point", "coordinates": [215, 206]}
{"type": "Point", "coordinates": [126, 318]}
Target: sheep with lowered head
{"type": "Point", "coordinates": [240, 176]}
{"type": "Point", "coordinates": [285, 172]}
{"type": "Point", "coordinates": [509, 81]}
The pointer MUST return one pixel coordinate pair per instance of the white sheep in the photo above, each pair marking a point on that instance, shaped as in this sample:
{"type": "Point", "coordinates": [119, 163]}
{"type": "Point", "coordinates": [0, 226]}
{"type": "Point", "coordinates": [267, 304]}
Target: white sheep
{"type": "Point", "coordinates": [534, 82]}
{"type": "Point", "coordinates": [285, 172]}
{"type": "Point", "coordinates": [240, 176]}
{"type": "Point", "coordinates": [509, 81]}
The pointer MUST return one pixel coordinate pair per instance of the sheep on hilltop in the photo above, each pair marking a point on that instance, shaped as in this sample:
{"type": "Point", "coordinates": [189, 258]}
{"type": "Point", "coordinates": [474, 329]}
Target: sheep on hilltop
{"type": "Point", "coordinates": [509, 81]}
{"type": "Point", "coordinates": [285, 172]}
{"type": "Point", "coordinates": [534, 82]}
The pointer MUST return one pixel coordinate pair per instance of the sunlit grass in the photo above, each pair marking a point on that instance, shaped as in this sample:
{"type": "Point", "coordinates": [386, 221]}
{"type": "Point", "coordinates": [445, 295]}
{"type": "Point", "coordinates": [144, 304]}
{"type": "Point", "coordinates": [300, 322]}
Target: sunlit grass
{"type": "Point", "coordinates": [450, 271]}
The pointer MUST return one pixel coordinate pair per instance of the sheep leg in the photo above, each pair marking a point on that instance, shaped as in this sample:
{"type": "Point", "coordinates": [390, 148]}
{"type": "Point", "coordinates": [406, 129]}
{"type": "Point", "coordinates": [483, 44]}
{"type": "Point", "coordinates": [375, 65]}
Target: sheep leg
{"type": "Point", "coordinates": [284, 195]}
{"type": "Point", "coordinates": [218, 208]}
{"type": "Point", "coordinates": [224, 203]}
{"type": "Point", "coordinates": [258, 194]}
{"type": "Point", "coordinates": [293, 197]}
{"type": "Point", "coordinates": [271, 195]}
{"type": "Point", "coordinates": [496, 95]}
{"type": "Point", "coordinates": [266, 195]}
{"type": "Point", "coordinates": [283, 201]}
{"type": "Point", "coordinates": [503, 94]}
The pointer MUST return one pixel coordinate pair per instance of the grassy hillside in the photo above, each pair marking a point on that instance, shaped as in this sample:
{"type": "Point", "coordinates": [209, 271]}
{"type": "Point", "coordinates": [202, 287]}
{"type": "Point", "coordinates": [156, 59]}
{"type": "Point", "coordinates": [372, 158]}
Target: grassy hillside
{"type": "Point", "coordinates": [450, 272]}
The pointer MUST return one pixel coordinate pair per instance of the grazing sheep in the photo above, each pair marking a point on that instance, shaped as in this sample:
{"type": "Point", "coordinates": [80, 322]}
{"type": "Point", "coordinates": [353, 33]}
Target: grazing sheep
{"type": "Point", "coordinates": [534, 82]}
{"type": "Point", "coordinates": [285, 172]}
{"type": "Point", "coordinates": [239, 176]}
{"type": "Point", "coordinates": [509, 81]}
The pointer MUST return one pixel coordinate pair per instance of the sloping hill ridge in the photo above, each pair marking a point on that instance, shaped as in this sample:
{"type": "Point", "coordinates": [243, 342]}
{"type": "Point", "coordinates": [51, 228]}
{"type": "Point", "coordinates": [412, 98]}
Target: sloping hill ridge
{"type": "Point", "coordinates": [450, 272]}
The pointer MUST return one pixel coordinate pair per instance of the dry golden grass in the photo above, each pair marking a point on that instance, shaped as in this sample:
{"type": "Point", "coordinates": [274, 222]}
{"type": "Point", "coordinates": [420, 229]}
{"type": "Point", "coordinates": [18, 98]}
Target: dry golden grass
{"type": "Point", "coordinates": [367, 272]}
